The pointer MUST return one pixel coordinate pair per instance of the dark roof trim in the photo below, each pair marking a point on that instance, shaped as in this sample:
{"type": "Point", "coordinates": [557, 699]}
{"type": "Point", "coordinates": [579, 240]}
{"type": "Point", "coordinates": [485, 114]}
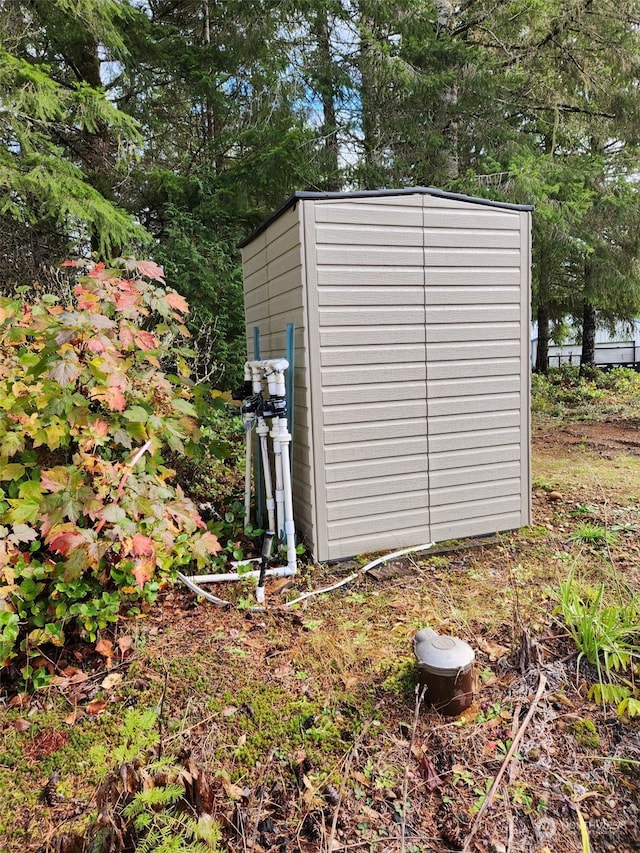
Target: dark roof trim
{"type": "Point", "coordinates": [301, 195]}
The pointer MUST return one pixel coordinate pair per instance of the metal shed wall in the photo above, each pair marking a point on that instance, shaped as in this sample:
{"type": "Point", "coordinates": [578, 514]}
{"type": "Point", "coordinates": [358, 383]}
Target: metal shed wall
{"type": "Point", "coordinates": [412, 375]}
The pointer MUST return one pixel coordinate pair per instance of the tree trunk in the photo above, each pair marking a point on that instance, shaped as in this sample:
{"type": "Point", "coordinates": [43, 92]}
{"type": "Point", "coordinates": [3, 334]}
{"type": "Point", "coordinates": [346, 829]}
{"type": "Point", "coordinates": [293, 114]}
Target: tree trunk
{"type": "Point", "coordinates": [331, 168]}
{"type": "Point", "coordinates": [370, 134]}
{"type": "Point", "coordinates": [446, 19]}
{"type": "Point", "coordinates": [98, 156]}
{"type": "Point", "coordinates": [369, 106]}
{"type": "Point", "coordinates": [543, 316]}
{"type": "Point", "coordinates": [451, 135]}
{"type": "Point", "coordinates": [542, 348]}
{"type": "Point", "coordinates": [588, 354]}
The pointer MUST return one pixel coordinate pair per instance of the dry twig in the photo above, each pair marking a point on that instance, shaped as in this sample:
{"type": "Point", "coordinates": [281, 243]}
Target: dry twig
{"type": "Point", "coordinates": [259, 783]}
{"type": "Point", "coordinates": [515, 722]}
{"type": "Point", "coordinates": [510, 821]}
{"type": "Point", "coordinates": [420, 691]}
{"type": "Point", "coordinates": [345, 776]}
{"type": "Point", "coordinates": [507, 760]}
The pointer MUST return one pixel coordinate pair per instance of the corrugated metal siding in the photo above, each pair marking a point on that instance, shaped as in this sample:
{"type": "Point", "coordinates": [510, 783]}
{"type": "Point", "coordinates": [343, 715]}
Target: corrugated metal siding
{"type": "Point", "coordinates": [370, 381]}
{"type": "Point", "coordinates": [274, 296]}
{"type": "Point", "coordinates": [476, 396]}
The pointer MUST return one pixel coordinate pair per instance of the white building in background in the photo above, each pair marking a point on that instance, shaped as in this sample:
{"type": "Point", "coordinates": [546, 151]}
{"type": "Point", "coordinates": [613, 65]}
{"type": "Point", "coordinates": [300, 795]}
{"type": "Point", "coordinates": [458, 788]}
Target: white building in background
{"type": "Point", "coordinates": [621, 348]}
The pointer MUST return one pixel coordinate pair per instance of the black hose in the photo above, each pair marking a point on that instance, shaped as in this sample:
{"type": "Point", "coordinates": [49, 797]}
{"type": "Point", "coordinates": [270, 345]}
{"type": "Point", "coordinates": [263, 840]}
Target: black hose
{"type": "Point", "coordinates": [267, 543]}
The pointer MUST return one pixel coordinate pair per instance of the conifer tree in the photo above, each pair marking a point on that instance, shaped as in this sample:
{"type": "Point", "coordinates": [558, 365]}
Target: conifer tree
{"type": "Point", "coordinates": [62, 140]}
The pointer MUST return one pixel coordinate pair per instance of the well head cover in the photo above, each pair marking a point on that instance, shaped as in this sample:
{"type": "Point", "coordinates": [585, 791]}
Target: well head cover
{"type": "Point", "coordinates": [442, 655]}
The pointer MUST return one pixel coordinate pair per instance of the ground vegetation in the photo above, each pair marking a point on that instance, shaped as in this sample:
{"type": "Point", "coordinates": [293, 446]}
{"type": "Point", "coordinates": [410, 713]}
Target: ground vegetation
{"type": "Point", "coordinates": [301, 728]}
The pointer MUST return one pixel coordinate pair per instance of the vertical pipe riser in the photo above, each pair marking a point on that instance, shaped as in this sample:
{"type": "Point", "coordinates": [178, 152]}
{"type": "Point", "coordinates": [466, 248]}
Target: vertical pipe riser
{"type": "Point", "coordinates": [271, 372]}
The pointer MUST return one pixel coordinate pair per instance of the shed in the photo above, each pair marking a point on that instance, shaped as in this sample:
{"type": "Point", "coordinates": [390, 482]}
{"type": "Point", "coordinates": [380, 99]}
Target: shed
{"type": "Point", "coordinates": [411, 311]}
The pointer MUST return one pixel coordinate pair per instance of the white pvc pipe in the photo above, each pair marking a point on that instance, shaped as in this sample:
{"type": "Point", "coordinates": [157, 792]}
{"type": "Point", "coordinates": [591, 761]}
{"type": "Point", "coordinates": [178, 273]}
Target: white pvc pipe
{"type": "Point", "coordinates": [277, 464]}
{"type": "Point", "coordinates": [277, 572]}
{"type": "Point", "coordinates": [274, 376]}
{"type": "Point", "coordinates": [269, 365]}
{"type": "Point", "coordinates": [289, 526]}
{"type": "Point", "coordinates": [198, 591]}
{"type": "Point", "coordinates": [256, 376]}
{"type": "Point", "coordinates": [271, 371]}
{"type": "Point", "coordinates": [405, 551]}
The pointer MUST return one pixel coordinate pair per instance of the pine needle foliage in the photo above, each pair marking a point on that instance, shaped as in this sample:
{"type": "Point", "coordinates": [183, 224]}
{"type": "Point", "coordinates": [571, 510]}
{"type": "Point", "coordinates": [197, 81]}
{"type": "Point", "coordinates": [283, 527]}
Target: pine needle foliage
{"type": "Point", "coordinates": [35, 176]}
{"type": "Point", "coordinates": [64, 142]}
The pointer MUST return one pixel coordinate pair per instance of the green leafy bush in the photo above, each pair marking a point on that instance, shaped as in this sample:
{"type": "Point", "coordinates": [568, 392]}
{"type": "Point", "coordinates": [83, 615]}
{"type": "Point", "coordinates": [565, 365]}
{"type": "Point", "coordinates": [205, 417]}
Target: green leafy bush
{"type": "Point", "coordinates": [216, 476]}
{"type": "Point", "coordinates": [599, 394]}
{"type": "Point", "coordinates": [90, 520]}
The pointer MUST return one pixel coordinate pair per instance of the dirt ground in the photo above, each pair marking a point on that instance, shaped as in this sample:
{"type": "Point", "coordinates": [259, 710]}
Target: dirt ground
{"type": "Point", "coordinates": [607, 438]}
{"type": "Point", "coordinates": [307, 722]}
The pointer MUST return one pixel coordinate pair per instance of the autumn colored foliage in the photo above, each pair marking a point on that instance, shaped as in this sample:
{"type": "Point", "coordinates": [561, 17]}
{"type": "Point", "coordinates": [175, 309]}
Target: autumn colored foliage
{"type": "Point", "coordinates": [92, 394]}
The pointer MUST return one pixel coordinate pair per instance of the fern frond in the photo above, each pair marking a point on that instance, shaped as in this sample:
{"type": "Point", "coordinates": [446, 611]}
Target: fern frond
{"type": "Point", "coordinates": [96, 846]}
{"type": "Point", "coordinates": [166, 763]}
{"type": "Point", "coordinates": [159, 797]}
{"type": "Point", "coordinates": [138, 734]}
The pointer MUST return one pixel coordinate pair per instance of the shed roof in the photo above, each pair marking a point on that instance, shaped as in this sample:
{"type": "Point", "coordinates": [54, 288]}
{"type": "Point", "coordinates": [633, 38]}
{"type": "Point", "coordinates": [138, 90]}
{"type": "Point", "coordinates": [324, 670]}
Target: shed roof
{"type": "Point", "coordinates": [302, 195]}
